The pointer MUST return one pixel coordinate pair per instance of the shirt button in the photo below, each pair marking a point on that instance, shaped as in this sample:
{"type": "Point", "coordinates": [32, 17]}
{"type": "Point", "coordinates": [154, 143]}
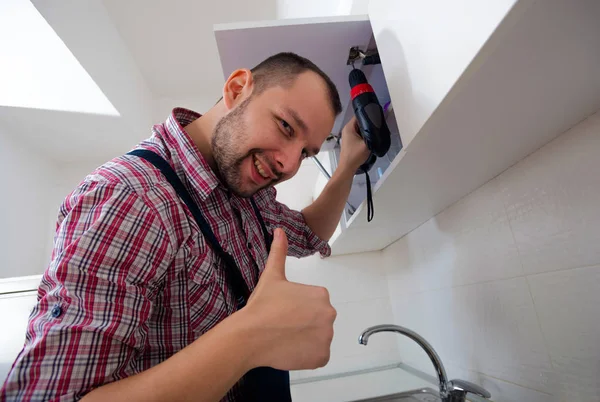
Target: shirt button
{"type": "Point", "coordinates": [56, 311]}
{"type": "Point", "coordinates": [249, 245]}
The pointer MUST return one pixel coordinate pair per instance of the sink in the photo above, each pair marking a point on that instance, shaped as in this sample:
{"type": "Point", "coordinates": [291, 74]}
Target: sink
{"type": "Point", "coordinates": [417, 395]}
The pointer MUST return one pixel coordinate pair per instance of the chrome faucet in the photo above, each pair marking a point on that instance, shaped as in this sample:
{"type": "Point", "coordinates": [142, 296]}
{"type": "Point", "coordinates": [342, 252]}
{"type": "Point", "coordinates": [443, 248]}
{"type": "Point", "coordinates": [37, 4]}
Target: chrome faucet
{"type": "Point", "coordinates": [450, 391]}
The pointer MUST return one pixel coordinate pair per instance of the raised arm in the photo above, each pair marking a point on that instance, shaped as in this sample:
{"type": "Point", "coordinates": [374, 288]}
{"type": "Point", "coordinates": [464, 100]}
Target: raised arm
{"type": "Point", "coordinates": [323, 215]}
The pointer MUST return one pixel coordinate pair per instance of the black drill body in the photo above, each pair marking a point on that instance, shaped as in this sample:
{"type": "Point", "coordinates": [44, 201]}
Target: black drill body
{"type": "Point", "coordinates": [370, 118]}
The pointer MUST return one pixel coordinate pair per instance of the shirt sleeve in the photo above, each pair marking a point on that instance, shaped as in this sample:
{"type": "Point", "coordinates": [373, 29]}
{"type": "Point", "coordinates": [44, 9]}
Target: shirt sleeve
{"type": "Point", "coordinates": [87, 327]}
{"type": "Point", "coordinates": [301, 239]}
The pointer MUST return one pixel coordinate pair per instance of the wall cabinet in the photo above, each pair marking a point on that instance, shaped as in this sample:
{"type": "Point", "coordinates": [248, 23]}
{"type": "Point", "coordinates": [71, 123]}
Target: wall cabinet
{"type": "Point", "coordinates": [475, 87]}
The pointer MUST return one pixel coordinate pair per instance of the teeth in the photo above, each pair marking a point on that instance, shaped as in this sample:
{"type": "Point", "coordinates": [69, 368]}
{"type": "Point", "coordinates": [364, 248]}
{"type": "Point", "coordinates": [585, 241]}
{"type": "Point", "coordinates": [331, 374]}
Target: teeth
{"type": "Point", "coordinates": [260, 168]}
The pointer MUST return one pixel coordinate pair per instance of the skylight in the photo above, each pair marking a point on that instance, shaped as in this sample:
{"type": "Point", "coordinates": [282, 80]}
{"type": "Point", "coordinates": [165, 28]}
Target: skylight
{"type": "Point", "coordinates": [37, 70]}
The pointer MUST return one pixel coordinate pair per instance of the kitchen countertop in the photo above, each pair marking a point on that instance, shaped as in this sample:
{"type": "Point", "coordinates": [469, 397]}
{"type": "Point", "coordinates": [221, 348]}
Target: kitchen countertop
{"type": "Point", "coordinates": [360, 386]}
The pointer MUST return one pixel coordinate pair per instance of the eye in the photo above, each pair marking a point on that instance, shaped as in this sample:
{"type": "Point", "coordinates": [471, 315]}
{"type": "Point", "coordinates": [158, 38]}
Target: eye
{"type": "Point", "coordinates": [287, 127]}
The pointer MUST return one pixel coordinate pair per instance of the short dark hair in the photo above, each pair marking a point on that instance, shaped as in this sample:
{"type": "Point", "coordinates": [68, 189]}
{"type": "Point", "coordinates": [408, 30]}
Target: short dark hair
{"type": "Point", "coordinates": [283, 68]}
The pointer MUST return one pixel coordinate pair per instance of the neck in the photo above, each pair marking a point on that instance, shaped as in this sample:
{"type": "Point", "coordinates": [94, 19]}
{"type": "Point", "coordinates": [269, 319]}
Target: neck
{"type": "Point", "coordinates": [201, 131]}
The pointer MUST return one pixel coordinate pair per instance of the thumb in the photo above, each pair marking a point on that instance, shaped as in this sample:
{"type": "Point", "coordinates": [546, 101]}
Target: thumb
{"type": "Point", "coordinates": [276, 262]}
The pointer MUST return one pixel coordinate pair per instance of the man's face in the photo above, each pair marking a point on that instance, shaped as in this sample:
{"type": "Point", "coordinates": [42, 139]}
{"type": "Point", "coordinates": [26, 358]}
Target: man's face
{"type": "Point", "coordinates": [263, 140]}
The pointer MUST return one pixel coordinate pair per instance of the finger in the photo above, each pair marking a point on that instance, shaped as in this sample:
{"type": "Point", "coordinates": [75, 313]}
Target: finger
{"type": "Point", "coordinates": [354, 124]}
{"type": "Point", "coordinates": [276, 262]}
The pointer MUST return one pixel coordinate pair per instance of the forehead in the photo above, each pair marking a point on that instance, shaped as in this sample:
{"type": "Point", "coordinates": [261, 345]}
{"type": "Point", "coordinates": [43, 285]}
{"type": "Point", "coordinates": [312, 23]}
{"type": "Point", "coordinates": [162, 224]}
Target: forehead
{"type": "Point", "coordinates": [307, 96]}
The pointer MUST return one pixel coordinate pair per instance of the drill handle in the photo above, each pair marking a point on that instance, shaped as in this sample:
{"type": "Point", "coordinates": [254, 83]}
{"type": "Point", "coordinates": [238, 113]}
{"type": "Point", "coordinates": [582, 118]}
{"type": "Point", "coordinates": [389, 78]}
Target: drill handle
{"type": "Point", "coordinates": [371, 122]}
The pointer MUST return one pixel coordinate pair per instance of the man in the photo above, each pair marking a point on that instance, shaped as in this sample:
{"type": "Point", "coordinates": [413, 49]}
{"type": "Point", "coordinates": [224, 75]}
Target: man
{"type": "Point", "coordinates": [139, 304]}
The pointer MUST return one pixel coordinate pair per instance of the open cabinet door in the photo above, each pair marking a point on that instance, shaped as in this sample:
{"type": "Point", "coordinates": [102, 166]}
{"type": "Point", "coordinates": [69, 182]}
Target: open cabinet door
{"type": "Point", "coordinates": [325, 41]}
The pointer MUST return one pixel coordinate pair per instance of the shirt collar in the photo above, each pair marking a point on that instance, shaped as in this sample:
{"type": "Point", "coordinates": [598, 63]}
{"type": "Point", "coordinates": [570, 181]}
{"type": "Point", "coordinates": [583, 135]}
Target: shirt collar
{"type": "Point", "coordinates": [196, 169]}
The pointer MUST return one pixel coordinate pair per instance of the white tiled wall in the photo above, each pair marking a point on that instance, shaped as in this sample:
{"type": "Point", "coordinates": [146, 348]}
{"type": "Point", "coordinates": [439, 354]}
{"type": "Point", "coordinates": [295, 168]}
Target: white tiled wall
{"type": "Point", "coordinates": [358, 290]}
{"type": "Point", "coordinates": [506, 283]}
{"type": "Point", "coordinates": [357, 286]}
{"type": "Point", "coordinates": [568, 306]}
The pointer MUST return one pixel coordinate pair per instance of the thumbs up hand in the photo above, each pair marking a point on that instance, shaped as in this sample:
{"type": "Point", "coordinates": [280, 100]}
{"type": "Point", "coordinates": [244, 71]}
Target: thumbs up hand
{"type": "Point", "coordinates": [295, 321]}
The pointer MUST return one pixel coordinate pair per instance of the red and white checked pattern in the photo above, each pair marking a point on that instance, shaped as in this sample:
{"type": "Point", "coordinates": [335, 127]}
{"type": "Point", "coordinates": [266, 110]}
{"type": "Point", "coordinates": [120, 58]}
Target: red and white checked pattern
{"type": "Point", "coordinates": [132, 280]}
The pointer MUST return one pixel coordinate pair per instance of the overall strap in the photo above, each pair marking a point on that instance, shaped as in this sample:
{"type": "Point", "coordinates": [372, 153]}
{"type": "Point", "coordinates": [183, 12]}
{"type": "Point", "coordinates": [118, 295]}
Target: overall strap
{"type": "Point", "coordinates": [235, 278]}
{"type": "Point", "coordinates": [268, 237]}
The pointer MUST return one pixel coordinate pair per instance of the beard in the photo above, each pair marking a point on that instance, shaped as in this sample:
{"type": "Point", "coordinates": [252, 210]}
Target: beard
{"type": "Point", "coordinates": [227, 143]}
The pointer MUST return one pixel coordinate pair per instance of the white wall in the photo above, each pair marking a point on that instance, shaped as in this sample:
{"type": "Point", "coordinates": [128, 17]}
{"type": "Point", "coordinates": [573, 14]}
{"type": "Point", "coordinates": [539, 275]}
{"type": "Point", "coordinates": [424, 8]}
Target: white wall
{"type": "Point", "coordinates": [358, 290]}
{"type": "Point", "coordinates": [312, 8]}
{"type": "Point", "coordinates": [15, 309]}
{"type": "Point", "coordinates": [33, 188]}
{"type": "Point", "coordinates": [163, 106]}
{"type": "Point", "coordinates": [360, 7]}
{"type": "Point", "coordinates": [505, 283]}
{"type": "Point", "coordinates": [26, 226]}
{"type": "Point", "coordinates": [357, 287]}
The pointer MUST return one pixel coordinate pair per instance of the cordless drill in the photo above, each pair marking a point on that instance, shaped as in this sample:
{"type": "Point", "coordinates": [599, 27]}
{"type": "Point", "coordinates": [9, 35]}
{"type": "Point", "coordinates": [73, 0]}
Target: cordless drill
{"type": "Point", "coordinates": [371, 126]}
{"type": "Point", "coordinates": [369, 118]}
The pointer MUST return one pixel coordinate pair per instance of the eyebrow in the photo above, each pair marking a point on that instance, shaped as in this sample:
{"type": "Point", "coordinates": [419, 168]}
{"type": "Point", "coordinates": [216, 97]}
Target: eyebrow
{"type": "Point", "coordinates": [299, 122]}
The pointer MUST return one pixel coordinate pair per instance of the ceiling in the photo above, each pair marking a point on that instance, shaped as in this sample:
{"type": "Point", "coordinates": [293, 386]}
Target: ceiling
{"type": "Point", "coordinates": [69, 137]}
{"type": "Point", "coordinates": [145, 56]}
{"type": "Point", "coordinates": [172, 41]}
{"type": "Point", "coordinates": [174, 45]}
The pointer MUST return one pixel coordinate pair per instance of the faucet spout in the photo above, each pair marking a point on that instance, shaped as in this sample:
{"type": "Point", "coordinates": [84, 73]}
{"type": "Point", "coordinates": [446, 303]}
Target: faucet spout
{"type": "Point", "coordinates": [363, 339]}
{"type": "Point", "coordinates": [450, 391]}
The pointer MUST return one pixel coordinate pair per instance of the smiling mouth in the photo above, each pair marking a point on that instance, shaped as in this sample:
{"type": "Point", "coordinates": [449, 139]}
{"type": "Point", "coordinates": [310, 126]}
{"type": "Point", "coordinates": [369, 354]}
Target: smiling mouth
{"type": "Point", "coordinates": [262, 170]}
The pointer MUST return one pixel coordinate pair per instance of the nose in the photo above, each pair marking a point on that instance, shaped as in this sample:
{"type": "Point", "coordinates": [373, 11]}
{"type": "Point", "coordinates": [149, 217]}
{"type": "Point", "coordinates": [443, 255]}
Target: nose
{"type": "Point", "coordinates": [288, 160]}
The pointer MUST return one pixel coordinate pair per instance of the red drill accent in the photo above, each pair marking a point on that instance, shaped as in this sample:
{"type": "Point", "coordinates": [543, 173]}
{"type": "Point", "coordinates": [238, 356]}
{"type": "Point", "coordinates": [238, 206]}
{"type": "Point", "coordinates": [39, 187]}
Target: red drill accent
{"type": "Point", "coordinates": [360, 89]}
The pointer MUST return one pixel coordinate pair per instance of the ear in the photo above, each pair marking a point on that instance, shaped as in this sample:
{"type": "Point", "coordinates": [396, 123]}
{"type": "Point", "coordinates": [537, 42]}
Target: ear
{"type": "Point", "coordinates": [237, 87]}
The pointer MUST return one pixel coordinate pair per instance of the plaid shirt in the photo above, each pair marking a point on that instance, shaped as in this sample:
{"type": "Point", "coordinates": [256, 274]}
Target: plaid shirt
{"type": "Point", "coordinates": [132, 280]}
